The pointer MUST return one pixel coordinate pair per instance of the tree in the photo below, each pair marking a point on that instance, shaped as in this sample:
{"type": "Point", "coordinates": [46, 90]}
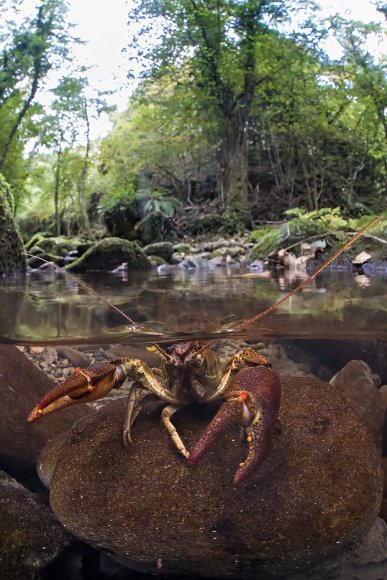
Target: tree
{"type": "Point", "coordinates": [162, 142]}
{"type": "Point", "coordinates": [65, 132]}
{"type": "Point", "coordinates": [216, 41]}
{"type": "Point", "coordinates": [368, 77]}
{"type": "Point", "coordinates": [33, 49]}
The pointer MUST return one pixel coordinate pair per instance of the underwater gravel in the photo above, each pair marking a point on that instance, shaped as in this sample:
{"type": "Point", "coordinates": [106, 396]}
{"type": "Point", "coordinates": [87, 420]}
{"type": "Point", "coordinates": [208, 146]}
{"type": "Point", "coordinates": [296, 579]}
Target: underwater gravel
{"type": "Point", "coordinates": [58, 364]}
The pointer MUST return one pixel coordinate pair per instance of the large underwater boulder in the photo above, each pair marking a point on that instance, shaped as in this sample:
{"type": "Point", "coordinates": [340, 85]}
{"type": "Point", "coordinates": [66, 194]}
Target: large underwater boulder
{"type": "Point", "coordinates": [31, 538]}
{"type": "Point", "coordinates": [318, 492]}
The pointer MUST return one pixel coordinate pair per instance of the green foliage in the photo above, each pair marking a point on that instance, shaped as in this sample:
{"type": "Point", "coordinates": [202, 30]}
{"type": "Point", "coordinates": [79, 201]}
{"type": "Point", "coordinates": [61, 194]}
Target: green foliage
{"type": "Point", "coordinates": [304, 223]}
{"type": "Point", "coordinates": [267, 241]}
{"type": "Point", "coordinates": [230, 110]}
{"type": "Point", "coordinates": [29, 50]}
{"type": "Point", "coordinates": [326, 222]}
{"type": "Point", "coordinates": [160, 142]}
{"type": "Point", "coordinates": [116, 198]}
{"type": "Point", "coordinates": [215, 43]}
{"type": "Point", "coordinates": [160, 203]}
{"type": "Point", "coordinates": [310, 128]}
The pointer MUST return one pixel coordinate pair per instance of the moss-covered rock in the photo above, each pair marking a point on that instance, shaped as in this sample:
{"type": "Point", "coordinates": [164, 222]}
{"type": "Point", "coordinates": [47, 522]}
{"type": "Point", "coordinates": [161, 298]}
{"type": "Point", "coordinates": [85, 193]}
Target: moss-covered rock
{"type": "Point", "coordinates": [110, 253]}
{"type": "Point", "coordinates": [58, 245]}
{"type": "Point", "coordinates": [34, 241]}
{"type": "Point", "coordinates": [162, 249]}
{"type": "Point", "coordinates": [156, 260]}
{"type": "Point", "coordinates": [12, 259]}
{"type": "Point", "coordinates": [182, 248]}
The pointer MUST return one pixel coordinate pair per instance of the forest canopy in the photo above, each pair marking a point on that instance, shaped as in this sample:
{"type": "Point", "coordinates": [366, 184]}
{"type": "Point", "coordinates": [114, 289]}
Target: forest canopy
{"type": "Point", "coordinates": [235, 105]}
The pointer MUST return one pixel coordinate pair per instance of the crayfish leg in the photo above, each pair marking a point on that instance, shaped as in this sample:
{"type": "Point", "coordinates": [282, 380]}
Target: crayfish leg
{"type": "Point", "coordinates": [166, 415]}
{"type": "Point", "coordinates": [136, 395]}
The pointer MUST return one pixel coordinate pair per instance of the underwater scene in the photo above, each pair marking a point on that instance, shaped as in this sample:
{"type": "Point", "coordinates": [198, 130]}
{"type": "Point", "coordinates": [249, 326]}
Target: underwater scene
{"type": "Point", "coordinates": [166, 438]}
{"type": "Point", "coordinates": [193, 284]}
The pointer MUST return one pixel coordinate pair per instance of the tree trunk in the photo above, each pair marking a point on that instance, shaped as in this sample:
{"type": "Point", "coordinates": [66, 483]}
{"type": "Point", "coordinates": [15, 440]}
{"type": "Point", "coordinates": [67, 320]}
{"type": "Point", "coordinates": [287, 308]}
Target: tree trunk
{"type": "Point", "coordinates": [234, 170]}
{"type": "Point", "coordinates": [82, 188]}
{"type": "Point", "coordinates": [56, 191]}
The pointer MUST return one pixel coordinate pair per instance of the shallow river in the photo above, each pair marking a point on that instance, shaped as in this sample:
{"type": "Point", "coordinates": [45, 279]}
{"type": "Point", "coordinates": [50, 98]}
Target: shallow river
{"type": "Point", "coordinates": [338, 317]}
{"type": "Point", "coordinates": [48, 306]}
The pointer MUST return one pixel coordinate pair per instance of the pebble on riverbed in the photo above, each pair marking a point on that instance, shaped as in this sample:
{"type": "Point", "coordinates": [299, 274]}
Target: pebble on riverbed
{"type": "Point", "coordinates": [59, 364]}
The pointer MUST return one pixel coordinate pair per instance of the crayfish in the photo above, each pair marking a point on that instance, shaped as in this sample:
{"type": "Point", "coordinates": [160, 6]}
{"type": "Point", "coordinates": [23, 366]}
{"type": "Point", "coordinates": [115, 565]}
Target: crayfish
{"type": "Point", "coordinates": [193, 372]}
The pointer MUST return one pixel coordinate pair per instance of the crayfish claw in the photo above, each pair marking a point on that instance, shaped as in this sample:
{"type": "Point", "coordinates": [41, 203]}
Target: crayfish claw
{"type": "Point", "coordinates": [228, 412]}
{"type": "Point", "coordinates": [82, 386]}
{"type": "Point", "coordinates": [253, 401]}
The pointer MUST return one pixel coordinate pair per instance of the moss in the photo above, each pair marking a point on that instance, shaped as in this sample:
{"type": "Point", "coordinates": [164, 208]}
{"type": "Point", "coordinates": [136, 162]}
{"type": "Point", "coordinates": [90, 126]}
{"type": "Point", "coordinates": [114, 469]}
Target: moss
{"type": "Point", "coordinates": [162, 249]}
{"type": "Point", "coordinates": [157, 260]}
{"type": "Point", "coordinates": [182, 248]}
{"type": "Point", "coordinates": [36, 238]}
{"type": "Point", "coordinates": [12, 259]}
{"type": "Point", "coordinates": [110, 253]}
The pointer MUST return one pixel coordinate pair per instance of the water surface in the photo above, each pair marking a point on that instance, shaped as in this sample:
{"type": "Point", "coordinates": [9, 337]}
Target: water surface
{"type": "Point", "coordinates": [47, 306]}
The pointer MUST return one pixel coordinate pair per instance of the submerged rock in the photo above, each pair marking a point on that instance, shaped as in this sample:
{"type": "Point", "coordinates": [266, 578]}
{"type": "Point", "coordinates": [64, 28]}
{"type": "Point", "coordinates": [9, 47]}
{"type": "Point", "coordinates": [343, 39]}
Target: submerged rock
{"type": "Point", "coordinates": [355, 382]}
{"type": "Point", "coordinates": [30, 536]}
{"type": "Point", "coordinates": [383, 509]}
{"type": "Point", "coordinates": [318, 491]}
{"type": "Point", "coordinates": [22, 384]}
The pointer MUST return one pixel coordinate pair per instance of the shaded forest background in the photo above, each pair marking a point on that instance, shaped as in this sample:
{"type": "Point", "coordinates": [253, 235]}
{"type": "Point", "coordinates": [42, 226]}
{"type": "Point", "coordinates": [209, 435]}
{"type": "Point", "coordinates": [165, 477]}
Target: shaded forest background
{"type": "Point", "coordinates": [234, 110]}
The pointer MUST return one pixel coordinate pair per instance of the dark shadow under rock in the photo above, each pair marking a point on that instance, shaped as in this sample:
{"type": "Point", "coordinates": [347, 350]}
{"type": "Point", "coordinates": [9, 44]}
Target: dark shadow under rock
{"type": "Point", "coordinates": [334, 354]}
{"type": "Point", "coordinates": [318, 492]}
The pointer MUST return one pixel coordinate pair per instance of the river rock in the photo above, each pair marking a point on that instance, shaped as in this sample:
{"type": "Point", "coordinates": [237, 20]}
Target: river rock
{"type": "Point", "coordinates": [75, 356]}
{"type": "Point", "coordinates": [355, 382]}
{"type": "Point", "coordinates": [110, 253]}
{"type": "Point", "coordinates": [162, 249]}
{"type": "Point", "coordinates": [383, 509]}
{"type": "Point", "coordinates": [22, 384]}
{"type": "Point", "coordinates": [30, 536]}
{"type": "Point", "coordinates": [318, 491]}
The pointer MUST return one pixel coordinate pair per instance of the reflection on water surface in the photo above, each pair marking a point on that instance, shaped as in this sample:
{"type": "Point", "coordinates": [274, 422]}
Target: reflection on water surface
{"type": "Point", "coordinates": [49, 306]}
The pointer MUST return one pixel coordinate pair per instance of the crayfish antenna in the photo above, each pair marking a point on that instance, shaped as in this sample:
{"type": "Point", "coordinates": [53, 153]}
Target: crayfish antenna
{"type": "Point", "coordinates": [163, 352]}
{"type": "Point", "coordinates": [308, 280]}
